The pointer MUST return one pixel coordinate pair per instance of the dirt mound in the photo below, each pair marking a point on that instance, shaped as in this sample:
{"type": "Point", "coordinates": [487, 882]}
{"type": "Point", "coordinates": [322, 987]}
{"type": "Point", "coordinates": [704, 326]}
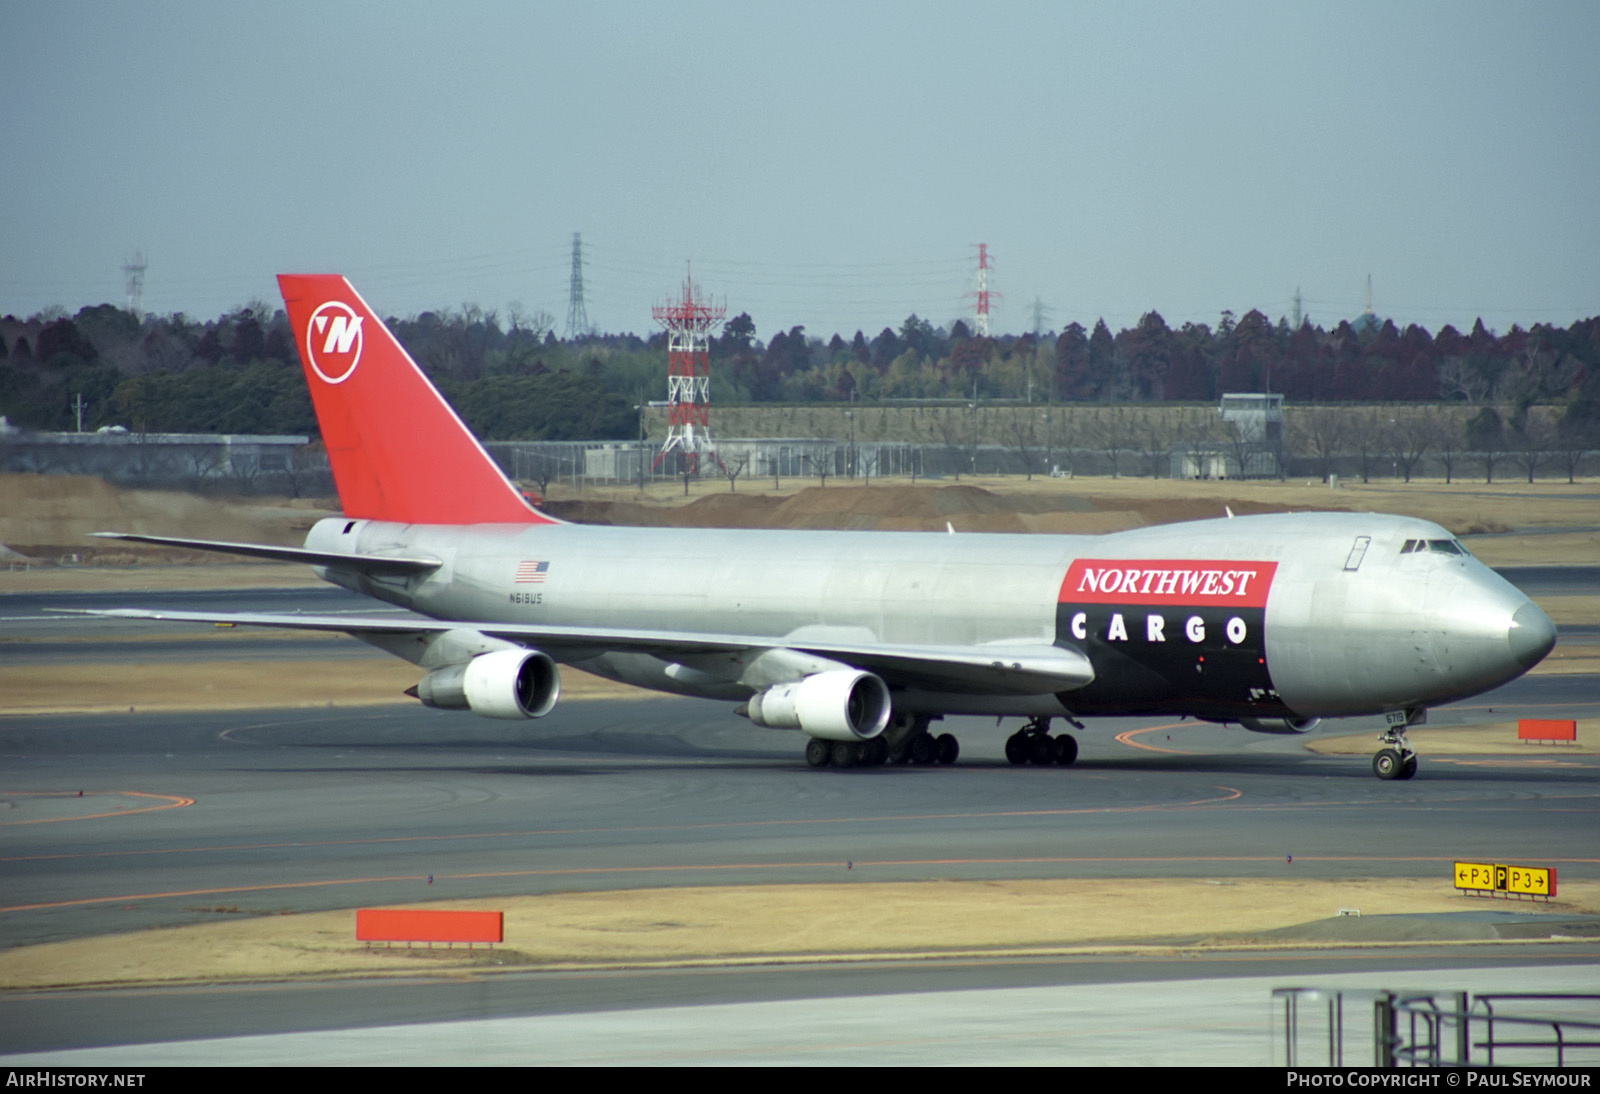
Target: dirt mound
{"type": "Point", "coordinates": [728, 511]}
{"type": "Point", "coordinates": [629, 513]}
{"type": "Point", "coordinates": [711, 511]}
{"type": "Point", "coordinates": [934, 508]}
{"type": "Point", "coordinates": [1173, 510]}
{"type": "Point", "coordinates": [49, 518]}
{"type": "Point", "coordinates": [898, 508]}
{"type": "Point", "coordinates": [867, 508]}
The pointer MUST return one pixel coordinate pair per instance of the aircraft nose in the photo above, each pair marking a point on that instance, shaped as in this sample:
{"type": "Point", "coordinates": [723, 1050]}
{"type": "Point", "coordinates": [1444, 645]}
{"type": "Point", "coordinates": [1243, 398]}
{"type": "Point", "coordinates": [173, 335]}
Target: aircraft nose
{"type": "Point", "coordinates": [1531, 635]}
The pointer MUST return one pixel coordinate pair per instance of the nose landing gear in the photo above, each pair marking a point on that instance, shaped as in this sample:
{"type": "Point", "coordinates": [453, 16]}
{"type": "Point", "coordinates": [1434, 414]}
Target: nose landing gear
{"type": "Point", "coordinates": [1395, 760]}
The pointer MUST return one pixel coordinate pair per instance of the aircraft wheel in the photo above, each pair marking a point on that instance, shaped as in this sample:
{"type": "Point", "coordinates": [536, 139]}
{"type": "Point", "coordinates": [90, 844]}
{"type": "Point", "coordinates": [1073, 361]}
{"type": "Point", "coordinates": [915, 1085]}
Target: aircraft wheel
{"type": "Point", "coordinates": [817, 752]}
{"type": "Point", "coordinates": [1387, 764]}
{"type": "Point", "coordinates": [1042, 750]}
{"type": "Point", "coordinates": [844, 754]}
{"type": "Point", "coordinates": [1066, 749]}
{"type": "Point", "coordinates": [1017, 748]}
{"type": "Point", "coordinates": [1409, 768]}
{"type": "Point", "coordinates": [876, 751]}
{"type": "Point", "coordinates": [949, 747]}
{"type": "Point", "coordinates": [924, 750]}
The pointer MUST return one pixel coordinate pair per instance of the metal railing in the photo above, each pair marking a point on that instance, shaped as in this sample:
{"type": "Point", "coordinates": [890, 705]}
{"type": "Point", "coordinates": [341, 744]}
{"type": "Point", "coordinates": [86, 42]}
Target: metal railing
{"type": "Point", "coordinates": [1433, 1028]}
{"type": "Point", "coordinates": [1559, 1028]}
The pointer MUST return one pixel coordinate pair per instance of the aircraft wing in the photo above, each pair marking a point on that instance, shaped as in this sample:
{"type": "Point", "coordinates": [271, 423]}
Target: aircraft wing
{"type": "Point", "coordinates": [995, 669]}
{"type": "Point", "coordinates": [367, 564]}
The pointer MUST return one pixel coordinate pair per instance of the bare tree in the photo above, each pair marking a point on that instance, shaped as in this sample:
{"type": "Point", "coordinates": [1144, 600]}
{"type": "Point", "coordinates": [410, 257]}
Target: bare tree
{"type": "Point", "coordinates": [539, 465]}
{"type": "Point", "coordinates": [1486, 434]}
{"type": "Point", "coordinates": [1449, 443]}
{"type": "Point", "coordinates": [1573, 442]}
{"type": "Point", "coordinates": [1114, 434]}
{"type": "Point", "coordinates": [202, 461]}
{"type": "Point", "coordinates": [950, 434]}
{"type": "Point", "coordinates": [1321, 433]}
{"type": "Point", "coordinates": [732, 467]}
{"type": "Point", "coordinates": [869, 461]}
{"type": "Point", "coordinates": [1410, 436]}
{"type": "Point", "coordinates": [1459, 380]}
{"type": "Point", "coordinates": [823, 464]}
{"type": "Point", "coordinates": [1024, 440]}
{"type": "Point", "coordinates": [1368, 437]}
{"type": "Point", "coordinates": [1531, 442]}
{"type": "Point", "coordinates": [1061, 439]}
{"type": "Point", "coordinates": [307, 470]}
{"type": "Point", "coordinates": [533, 325]}
{"type": "Point", "coordinates": [1153, 437]}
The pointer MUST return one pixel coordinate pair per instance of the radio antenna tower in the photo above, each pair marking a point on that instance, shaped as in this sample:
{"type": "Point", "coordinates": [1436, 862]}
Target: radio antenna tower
{"type": "Point", "coordinates": [133, 272]}
{"type": "Point", "coordinates": [689, 322]}
{"type": "Point", "coordinates": [577, 314]}
{"type": "Point", "coordinates": [1040, 313]}
{"type": "Point", "coordinates": [983, 294]}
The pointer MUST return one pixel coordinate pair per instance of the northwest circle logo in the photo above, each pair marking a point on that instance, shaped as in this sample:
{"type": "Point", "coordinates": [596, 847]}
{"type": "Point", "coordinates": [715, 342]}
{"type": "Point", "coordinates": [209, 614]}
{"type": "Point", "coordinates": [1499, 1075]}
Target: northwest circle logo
{"type": "Point", "coordinates": [333, 341]}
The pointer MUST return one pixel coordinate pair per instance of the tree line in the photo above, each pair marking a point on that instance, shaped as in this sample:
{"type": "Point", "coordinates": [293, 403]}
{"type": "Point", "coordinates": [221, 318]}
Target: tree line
{"type": "Point", "coordinates": [512, 378]}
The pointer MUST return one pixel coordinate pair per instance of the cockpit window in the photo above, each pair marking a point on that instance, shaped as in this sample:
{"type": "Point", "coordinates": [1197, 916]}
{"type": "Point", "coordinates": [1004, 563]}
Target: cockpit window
{"type": "Point", "coordinates": [1442, 546]}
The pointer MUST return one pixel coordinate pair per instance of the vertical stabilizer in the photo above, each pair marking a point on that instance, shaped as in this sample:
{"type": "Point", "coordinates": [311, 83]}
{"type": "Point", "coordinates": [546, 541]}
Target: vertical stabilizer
{"type": "Point", "coordinates": [397, 450]}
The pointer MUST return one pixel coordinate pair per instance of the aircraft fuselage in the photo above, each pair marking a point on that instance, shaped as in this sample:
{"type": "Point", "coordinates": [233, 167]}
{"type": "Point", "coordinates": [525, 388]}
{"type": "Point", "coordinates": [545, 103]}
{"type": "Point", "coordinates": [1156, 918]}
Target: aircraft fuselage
{"type": "Point", "coordinates": [1280, 616]}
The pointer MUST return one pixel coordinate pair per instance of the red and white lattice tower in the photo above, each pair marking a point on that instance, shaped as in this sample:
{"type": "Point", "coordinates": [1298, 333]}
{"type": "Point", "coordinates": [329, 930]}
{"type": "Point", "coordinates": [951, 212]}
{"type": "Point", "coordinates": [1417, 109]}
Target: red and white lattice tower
{"type": "Point", "coordinates": [983, 294]}
{"type": "Point", "coordinates": [690, 323]}
{"type": "Point", "coordinates": [983, 290]}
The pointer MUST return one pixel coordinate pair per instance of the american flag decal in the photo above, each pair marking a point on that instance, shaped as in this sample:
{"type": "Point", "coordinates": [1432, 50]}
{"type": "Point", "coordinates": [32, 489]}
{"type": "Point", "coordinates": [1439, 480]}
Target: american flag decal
{"type": "Point", "coordinates": [531, 573]}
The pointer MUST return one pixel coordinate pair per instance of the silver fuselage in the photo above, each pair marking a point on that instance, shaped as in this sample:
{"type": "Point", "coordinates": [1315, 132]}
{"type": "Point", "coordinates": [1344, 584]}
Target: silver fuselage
{"type": "Point", "coordinates": [1344, 630]}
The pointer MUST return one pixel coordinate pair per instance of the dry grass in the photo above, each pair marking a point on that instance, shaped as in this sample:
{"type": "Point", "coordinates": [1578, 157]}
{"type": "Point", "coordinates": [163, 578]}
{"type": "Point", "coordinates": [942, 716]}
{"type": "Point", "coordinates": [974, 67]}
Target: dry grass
{"type": "Point", "coordinates": [96, 688]}
{"type": "Point", "coordinates": [757, 923]}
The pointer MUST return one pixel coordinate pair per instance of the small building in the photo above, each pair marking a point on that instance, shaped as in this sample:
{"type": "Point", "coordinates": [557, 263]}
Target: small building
{"type": "Point", "coordinates": [120, 455]}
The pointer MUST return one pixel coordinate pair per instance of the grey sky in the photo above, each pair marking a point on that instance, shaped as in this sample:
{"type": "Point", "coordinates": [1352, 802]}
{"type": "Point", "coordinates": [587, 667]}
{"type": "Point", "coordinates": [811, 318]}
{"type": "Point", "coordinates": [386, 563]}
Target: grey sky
{"type": "Point", "coordinates": [830, 165]}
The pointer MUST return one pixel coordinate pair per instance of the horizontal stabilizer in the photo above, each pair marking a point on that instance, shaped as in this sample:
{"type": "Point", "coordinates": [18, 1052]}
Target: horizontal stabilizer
{"type": "Point", "coordinates": [366, 564]}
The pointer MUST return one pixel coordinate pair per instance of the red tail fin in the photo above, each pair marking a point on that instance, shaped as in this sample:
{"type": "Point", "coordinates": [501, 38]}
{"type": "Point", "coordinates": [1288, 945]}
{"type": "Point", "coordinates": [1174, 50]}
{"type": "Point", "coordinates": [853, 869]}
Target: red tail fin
{"type": "Point", "coordinates": [397, 449]}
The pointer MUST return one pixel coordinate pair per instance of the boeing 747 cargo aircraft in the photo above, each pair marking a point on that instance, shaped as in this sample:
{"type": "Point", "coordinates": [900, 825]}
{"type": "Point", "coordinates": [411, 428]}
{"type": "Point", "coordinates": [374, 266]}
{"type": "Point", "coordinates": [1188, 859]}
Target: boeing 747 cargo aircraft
{"type": "Point", "coordinates": [860, 641]}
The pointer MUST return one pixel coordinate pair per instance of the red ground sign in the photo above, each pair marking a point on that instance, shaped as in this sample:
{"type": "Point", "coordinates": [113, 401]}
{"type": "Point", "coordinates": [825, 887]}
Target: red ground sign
{"type": "Point", "coordinates": [1546, 729]}
{"type": "Point", "coordinates": [401, 925]}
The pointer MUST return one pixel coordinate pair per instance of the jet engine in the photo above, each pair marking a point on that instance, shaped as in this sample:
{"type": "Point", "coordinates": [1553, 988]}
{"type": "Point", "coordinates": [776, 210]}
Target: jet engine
{"type": "Point", "coordinates": [841, 705]}
{"type": "Point", "coordinates": [1280, 725]}
{"type": "Point", "coordinates": [503, 684]}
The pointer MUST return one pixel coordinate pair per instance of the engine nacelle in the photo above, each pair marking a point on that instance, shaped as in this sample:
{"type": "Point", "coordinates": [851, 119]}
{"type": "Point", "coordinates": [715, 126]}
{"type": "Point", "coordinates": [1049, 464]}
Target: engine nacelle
{"type": "Point", "coordinates": [842, 705]}
{"type": "Point", "coordinates": [502, 684]}
{"type": "Point", "coordinates": [1280, 725]}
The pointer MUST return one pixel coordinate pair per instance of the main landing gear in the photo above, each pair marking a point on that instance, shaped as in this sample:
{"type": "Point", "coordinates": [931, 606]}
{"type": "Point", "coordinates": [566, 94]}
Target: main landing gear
{"type": "Point", "coordinates": [821, 753]}
{"type": "Point", "coordinates": [1033, 744]}
{"type": "Point", "coordinates": [910, 742]}
{"type": "Point", "coordinates": [906, 740]}
{"type": "Point", "coordinates": [1395, 760]}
